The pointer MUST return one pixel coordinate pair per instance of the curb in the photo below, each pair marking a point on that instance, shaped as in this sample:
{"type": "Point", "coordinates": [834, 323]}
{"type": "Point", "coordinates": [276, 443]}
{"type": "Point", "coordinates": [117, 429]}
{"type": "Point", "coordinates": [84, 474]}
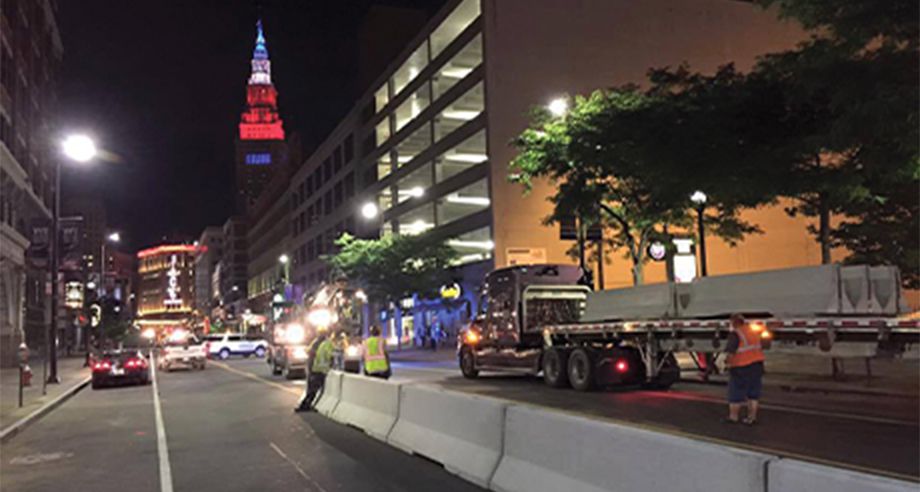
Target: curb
{"type": "Point", "coordinates": [19, 425]}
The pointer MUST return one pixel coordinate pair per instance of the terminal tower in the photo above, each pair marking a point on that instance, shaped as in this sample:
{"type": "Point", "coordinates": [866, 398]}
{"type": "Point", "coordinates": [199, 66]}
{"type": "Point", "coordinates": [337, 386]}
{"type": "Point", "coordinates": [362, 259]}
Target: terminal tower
{"type": "Point", "coordinates": [261, 150]}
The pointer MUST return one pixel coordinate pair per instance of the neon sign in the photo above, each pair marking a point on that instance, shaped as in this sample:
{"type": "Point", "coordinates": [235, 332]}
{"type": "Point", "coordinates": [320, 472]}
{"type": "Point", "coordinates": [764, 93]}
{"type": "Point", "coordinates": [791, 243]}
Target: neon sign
{"type": "Point", "coordinates": [259, 159]}
{"type": "Point", "coordinates": [172, 286]}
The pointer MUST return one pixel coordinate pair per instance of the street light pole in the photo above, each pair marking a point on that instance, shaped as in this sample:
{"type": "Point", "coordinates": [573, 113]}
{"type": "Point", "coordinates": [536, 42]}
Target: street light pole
{"type": "Point", "coordinates": [699, 199]}
{"type": "Point", "coordinates": [51, 333]}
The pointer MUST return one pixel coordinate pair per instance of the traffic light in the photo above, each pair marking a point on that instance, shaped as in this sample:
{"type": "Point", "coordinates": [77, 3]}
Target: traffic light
{"type": "Point", "coordinates": [595, 232]}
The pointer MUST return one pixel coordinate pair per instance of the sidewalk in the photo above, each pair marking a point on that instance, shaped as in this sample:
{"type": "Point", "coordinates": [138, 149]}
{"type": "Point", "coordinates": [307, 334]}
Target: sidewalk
{"type": "Point", "coordinates": [70, 371]}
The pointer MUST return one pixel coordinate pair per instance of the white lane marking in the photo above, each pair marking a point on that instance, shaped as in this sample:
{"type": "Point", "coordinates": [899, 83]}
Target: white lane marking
{"type": "Point", "coordinates": [257, 378]}
{"type": "Point", "coordinates": [296, 467]}
{"type": "Point", "coordinates": [34, 459]}
{"type": "Point", "coordinates": [162, 450]}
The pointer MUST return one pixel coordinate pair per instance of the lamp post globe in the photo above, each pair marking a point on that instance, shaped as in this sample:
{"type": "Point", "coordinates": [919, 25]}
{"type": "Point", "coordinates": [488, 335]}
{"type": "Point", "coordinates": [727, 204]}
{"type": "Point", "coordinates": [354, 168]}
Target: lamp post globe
{"type": "Point", "coordinates": [79, 148]}
{"type": "Point", "coordinates": [369, 210]}
{"type": "Point", "coordinates": [558, 106]}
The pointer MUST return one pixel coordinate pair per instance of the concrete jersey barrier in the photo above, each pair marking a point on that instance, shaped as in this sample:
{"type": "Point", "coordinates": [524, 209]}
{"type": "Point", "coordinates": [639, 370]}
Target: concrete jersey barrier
{"type": "Point", "coordinates": [332, 392]}
{"type": "Point", "coordinates": [552, 451]}
{"type": "Point", "coordinates": [462, 432]}
{"type": "Point", "coordinates": [369, 404]}
{"type": "Point", "coordinates": [788, 475]}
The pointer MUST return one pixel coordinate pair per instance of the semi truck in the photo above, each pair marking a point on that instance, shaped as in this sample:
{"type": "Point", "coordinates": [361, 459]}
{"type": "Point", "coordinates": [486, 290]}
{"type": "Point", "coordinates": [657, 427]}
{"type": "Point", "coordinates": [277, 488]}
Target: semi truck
{"type": "Point", "coordinates": [544, 319]}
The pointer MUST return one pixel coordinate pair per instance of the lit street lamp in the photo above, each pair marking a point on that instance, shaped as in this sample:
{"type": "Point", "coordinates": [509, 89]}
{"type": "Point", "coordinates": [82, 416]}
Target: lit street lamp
{"type": "Point", "coordinates": [113, 238]}
{"type": "Point", "coordinates": [369, 210]}
{"type": "Point", "coordinates": [699, 199]}
{"type": "Point", "coordinates": [283, 259]}
{"type": "Point", "coordinates": [82, 149]}
{"type": "Point", "coordinates": [558, 106]}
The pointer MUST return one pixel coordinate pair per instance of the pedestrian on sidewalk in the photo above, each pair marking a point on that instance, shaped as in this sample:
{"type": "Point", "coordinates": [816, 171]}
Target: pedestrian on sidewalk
{"type": "Point", "coordinates": [319, 362]}
{"type": "Point", "coordinates": [745, 362]}
{"type": "Point", "coordinates": [376, 359]}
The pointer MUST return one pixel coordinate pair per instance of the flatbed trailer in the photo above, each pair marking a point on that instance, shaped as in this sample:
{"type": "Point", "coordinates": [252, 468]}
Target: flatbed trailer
{"type": "Point", "coordinates": [530, 324]}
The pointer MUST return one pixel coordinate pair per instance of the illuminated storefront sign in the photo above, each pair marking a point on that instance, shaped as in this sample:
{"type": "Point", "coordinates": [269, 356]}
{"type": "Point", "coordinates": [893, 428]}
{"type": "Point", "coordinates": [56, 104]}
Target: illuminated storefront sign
{"type": "Point", "coordinates": [172, 285]}
{"type": "Point", "coordinates": [73, 295]}
{"type": "Point", "coordinates": [452, 291]}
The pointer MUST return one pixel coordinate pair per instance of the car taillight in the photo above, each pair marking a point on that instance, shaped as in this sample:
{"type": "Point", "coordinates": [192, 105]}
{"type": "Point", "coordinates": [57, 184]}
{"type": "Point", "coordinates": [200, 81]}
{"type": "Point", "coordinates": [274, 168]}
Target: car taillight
{"type": "Point", "coordinates": [134, 363]}
{"type": "Point", "coordinates": [102, 366]}
{"type": "Point", "coordinates": [621, 366]}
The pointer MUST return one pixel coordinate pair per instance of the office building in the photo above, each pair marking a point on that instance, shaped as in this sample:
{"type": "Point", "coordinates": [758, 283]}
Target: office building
{"type": "Point", "coordinates": [210, 251]}
{"type": "Point", "coordinates": [30, 57]}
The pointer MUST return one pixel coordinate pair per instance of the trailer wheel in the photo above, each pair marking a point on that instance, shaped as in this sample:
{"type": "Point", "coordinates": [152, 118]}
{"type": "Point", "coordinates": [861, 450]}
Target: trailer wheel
{"type": "Point", "coordinates": [581, 370]}
{"type": "Point", "coordinates": [555, 367]}
{"type": "Point", "coordinates": [468, 363]}
{"type": "Point", "coordinates": [667, 375]}
{"type": "Point", "coordinates": [276, 369]}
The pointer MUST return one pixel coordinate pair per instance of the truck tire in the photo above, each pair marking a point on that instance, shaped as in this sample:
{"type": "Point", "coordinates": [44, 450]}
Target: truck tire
{"type": "Point", "coordinates": [276, 369]}
{"type": "Point", "coordinates": [555, 367]}
{"type": "Point", "coordinates": [468, 363]}
{"type": "Point", "coordinates": [581, 370]}
{"type": "Point", "coordinates": [667, 375]}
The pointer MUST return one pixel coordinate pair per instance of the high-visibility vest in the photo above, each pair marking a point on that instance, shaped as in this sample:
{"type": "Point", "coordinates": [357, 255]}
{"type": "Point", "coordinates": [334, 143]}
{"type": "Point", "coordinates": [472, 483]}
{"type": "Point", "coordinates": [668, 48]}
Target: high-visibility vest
{"type": "Point", "coordinates": [749, 348]}
{"type": "Point", "coordinates": [375, 359]}
{"type": "Point", "coordinates": [323, 360]}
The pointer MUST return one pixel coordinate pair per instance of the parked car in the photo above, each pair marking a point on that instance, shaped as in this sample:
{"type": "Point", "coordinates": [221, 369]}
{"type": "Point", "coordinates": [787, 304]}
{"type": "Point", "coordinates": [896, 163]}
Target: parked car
{"type": "Point", "coordinates": [182, 351]}
{"type": "Point", "coordinates": [120, 366]}
{"type": "Point", "coordinates": [223, 345]}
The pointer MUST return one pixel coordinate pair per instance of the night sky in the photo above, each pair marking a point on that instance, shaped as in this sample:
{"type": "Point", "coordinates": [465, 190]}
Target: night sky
{"type": "Point", "coordinates": [161, 85]}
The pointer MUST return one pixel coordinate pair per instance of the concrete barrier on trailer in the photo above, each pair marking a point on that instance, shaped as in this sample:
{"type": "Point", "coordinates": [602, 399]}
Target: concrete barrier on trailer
{"type": "Point", "coordinates": [787, 475]}
{"type": "Point", "coordinates": [332, 392]}
{"type": "Point", "coordinates": [552, 451]}
{"type": "Point", "coordinates": [369, 404]}
{"type": "Point", "coordinates": [462, 432]}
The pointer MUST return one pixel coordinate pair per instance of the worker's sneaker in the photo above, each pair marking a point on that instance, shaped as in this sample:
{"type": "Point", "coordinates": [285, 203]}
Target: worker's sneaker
{"type": "Point", "coordinates": [749, 421]}
{"type": "Point", "coordinates": [726, 420]}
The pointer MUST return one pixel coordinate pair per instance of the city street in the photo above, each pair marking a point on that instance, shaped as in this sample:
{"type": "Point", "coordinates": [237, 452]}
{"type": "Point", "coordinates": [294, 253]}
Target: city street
{"type": "Point", "coordinates": [224, 432]}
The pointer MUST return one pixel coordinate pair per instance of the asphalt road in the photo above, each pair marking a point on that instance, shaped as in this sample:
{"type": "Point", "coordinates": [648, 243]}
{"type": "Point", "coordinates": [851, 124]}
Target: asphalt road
{"type": "Point", "coordinates": [871, 433]}
{"type": "Point", "coordinates": [224, 431]}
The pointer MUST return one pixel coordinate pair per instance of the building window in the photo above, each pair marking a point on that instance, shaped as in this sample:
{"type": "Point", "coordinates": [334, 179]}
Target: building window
{"type": "Point", "coordinates": [412, 106]}
{"type": "Point", "coordinates": [415, 184]}
{"type": "Point", "coordinates": [465, 155]}
{"type": "Point", "coordinates": [339, 194]}
{"type": "Point", "coordinates": [384, 166]}
{"type": "Point", "coordinates": [349, 148]}
{"type": "Point", "coordinates": [327, 169]}
{"type": "Point", "coordinates": [463, 202]}
{"type": "Point", "coordinates": [413, 145]}
{"type": "Point", "coordinates": [453, 25]}
{"type": "Point", "coordinates": [337, 160]}
{"type": "Point", "coordinates": [458, 67]}
{"type": "Point", "coordinates": [382, 131]}
{"type": "Point", "coordinates": [463, 109]}
{"type": "Point", "coordinates": [410, 69]}
{"type": "Point", "coordinates": [417, 221]}
{"type": "Point", "coordinates": [349, 185]}
{"type": "Point", "coordinates": [472, 246]}
{"type": "Point", "coordinates": [381, 97]}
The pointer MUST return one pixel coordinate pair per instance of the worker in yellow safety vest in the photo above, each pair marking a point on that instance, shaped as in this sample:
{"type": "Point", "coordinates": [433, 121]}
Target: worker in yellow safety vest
{"type": "Point", "coordinates": [376, 360]}
{"type": "Point", "coordinates": [319, 362]}
{"type": "Point", "coordinates": [745, 362]}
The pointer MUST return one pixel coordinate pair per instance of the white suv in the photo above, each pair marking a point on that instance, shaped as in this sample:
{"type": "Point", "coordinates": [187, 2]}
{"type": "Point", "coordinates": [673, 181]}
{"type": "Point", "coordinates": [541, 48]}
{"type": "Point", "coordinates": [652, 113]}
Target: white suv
{"type": "Point", "coordinates": [223, 345]}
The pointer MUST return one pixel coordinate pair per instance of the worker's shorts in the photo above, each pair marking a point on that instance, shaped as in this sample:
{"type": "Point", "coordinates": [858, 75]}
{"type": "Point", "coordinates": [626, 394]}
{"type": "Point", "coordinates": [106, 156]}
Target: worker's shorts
{"type": "Point", "coordinates": [745, 383]}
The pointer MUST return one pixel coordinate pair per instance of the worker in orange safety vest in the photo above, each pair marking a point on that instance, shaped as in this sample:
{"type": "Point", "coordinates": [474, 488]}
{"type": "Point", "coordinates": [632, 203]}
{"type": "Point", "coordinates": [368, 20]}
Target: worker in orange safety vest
{"type": "Point", "coordinates": [745, 362]}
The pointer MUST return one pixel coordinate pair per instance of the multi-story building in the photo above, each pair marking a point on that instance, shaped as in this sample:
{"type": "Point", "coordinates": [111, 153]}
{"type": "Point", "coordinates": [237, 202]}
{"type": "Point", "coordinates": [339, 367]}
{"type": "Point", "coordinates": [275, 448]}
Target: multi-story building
{"type": "Point", "coordinates": [92, 231]}
{"type": "Point", "coordinates": [260, 147]}
{"type": "Point", "coordinates": [231, 271]}
{"type": "Point", "coordinates": [30, 56]}
{"type": "Point", "coordinates": [210, 250]}
{"type": "Point", "coordinates": [267, 241]}
{"type": "Point", "coordinates": [433, 133]}
{"type": "Point", "coordinates": [166, 291]}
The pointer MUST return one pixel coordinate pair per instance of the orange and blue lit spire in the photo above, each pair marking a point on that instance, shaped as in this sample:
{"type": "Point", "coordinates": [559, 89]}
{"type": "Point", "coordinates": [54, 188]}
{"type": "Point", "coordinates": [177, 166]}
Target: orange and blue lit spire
{"type": "Point", "coordinates": [260, 121]}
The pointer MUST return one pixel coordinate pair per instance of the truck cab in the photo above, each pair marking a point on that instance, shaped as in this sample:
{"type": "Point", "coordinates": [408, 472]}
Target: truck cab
{"type": "Point", "coordinates": [516, 302]}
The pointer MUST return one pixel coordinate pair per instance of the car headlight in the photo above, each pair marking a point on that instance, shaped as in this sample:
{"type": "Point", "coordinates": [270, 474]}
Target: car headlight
{"type": "Point", "coordinates": [352, 350]}
{"type": "Point", "coordinates": [294, 334]}
{"type": "Point", "coordinates": [299, 353]}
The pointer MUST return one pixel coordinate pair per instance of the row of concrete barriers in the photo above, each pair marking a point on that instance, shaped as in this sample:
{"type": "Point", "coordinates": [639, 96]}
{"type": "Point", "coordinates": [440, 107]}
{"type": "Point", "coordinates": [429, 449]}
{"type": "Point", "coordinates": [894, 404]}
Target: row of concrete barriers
{"type": "Point", "coordinates": [510, 447]}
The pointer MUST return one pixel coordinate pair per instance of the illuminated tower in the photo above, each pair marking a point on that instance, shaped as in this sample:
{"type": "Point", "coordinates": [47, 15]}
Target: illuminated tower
{"type": "Point", "coordinates": [260, 146]}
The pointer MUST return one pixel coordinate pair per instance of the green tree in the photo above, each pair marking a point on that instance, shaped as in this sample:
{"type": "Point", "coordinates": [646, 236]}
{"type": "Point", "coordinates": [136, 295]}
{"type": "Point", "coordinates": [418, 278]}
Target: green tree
{"type": "Point", "coordinates": [395, 266]}
{"type": "Point", "coordinates": [605, 158]}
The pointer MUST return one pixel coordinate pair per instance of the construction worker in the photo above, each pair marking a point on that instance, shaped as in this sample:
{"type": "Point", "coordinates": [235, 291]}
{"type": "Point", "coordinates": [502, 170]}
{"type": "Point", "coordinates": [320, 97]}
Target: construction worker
{"type": "Point", "coordinates": [745, 362]}
{"type": "Point", "coordinates": [376, 360]}
{"type": "Point", "coordinates": [320, 361]}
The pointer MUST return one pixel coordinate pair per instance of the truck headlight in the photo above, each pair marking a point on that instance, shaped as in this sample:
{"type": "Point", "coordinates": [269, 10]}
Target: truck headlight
{"type": "Point", "coordinates": [352, 351]}
{"type": "Point", "coordinates": [294, 334]}
{"type": "Point", "coordinates": [320, 317]}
